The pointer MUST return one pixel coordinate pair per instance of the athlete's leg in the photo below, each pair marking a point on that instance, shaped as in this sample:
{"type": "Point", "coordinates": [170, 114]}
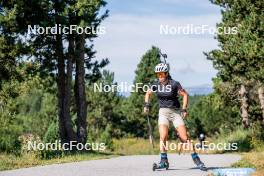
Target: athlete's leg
{"type": "Point", "coordinates": [181, 130]}
{"type": "Point", "coordinates": [163, 131]}
{"type": "Point", "coordinates": [187, 144]}
{"type": "Point", "coordinates": [184, 138]}
{"type": "Point", "coordinates": [182, 133]}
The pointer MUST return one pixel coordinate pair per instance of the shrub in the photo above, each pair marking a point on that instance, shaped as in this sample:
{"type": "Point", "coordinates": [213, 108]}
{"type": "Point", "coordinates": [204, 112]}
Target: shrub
{"type": "Point", "coordinates": [52, 133]}
{"type": "Point", "coordinates": [51, 136]}
{"type": "Point", "coordinates": [240, 136]}
{"type": "Point", "coordinates": [9, 133]}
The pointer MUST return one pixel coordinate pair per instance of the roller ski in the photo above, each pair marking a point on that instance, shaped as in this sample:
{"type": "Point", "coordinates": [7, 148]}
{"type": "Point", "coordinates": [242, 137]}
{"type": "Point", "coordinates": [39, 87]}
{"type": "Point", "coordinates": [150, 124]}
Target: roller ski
{"type": "Point", "coordinates": [198, 162]}
{"type": "Point", "coordinates": [163, 164]}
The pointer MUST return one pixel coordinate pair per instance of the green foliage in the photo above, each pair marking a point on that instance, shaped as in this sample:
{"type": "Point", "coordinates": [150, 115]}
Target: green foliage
{"type": "Point", "coordinates": [106, 137]}
{"type": "Point", "coordinates": [243, 164]}
{"type": "Point", "coordinates": [132, 108]}
{"type": "Point", "coordinates": [15, 18]}
{"type": "Point", "coordinates": [194, 99]}
{"type": "Point", "coordinates": [26, 107]}
{"type": "Point", "coordinates": [209, 115]}
{"type": "Point", "coordinates": [52, 134]}
{"type": "Point", "coordinates": [103, 118]}
{"type": "Point", "coordinates": [35, 107]}
{"type": "Point", "coordinates": [239, 60]}
{"type": "Point", "coordinates": [238, 135]}
{"type": "Point", "coordinates": [245, 59]}
{"type": "Point", "coordinates": [11, 162]}
{"type": "Point", "coordinates": [9, 132]}
{"type": "Point", "coordinates": [55, 53]}
{"type": "Point", "coordinates": [134, 146]}
{"type": "Point", "coordinates": [257, 137]}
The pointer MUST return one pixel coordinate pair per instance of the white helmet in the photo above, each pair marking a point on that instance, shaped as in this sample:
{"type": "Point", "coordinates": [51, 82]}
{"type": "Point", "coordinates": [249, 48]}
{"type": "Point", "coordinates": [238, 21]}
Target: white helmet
{"type": "Point", "coordinates": [161, 67]}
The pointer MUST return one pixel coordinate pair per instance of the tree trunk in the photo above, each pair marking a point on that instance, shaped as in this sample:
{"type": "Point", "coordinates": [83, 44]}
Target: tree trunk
{"type": "Point", "coordinates": [244, 106]}
{"type": "Point", "coordinates": [65, 124]}
{"type": "Point", "coordinates": [80, 95]}
{"type": "Point", "coordinates": [68, 87]}
{"type": "Point", "coordinates": [261, 100]}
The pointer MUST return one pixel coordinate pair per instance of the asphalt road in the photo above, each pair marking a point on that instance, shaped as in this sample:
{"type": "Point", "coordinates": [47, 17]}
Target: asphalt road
{"type": "Point", "coordinates": [139, 165]}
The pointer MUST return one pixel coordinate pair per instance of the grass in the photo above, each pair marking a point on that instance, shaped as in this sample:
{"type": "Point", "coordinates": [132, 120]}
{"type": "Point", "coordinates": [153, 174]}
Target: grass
{"type": "Point", "coordinates": [9, 161]}
{"type": "Point", "coordinates": [134, 146]}
{"type": "Point", "coordinates": [140, 146]}
{"type": "Point", "coordinates": [127, 146]}
{"type": "Point", "coordinates": [130, 146]}
{"type": "Point", "coordinates": [252, 159]}
{"type": "Point", "coordinates": [251, 149]}
{"type": "Point", "coordinates": [239, 136]}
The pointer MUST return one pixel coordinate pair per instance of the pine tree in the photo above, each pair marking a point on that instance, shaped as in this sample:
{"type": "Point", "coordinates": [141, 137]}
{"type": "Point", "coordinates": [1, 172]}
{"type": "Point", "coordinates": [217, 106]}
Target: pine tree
{"type": "Point", "coordinates": [64, 54]}
{"type": "Point", "coordinates": [103, 117]}
{"type": "Point", "coordinates": [145, 75]}
{"type": "Point", "coordinates": [240, 60]}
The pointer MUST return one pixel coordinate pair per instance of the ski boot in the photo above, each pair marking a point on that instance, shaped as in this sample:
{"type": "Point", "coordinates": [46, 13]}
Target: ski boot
{"type": "Point", "coordinates": [163, 164]}
{"type": "Point", "coordinates": [198, 162]}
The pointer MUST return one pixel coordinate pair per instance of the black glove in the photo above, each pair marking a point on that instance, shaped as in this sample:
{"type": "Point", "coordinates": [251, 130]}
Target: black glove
{"type": "Point", "coordinates": [147, 105]}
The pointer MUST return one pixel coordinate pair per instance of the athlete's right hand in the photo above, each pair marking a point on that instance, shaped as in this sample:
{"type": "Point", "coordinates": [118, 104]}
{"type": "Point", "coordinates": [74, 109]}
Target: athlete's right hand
{"type": "Point", "coordinates": [184, 113]}
{"type": "Point", "coordinates": [146, 110]}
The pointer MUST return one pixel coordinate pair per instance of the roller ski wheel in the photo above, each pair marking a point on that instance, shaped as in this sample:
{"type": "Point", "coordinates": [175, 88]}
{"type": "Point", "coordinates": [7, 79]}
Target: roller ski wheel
{"type": "Point", "coordinates": [202, 167]}
{"type": "Point", "coordinates": [160, 165]}
{"type": "Point", "coordinates": [198, 162]}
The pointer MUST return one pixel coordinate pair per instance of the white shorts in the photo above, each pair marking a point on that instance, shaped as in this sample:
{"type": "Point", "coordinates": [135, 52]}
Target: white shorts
{"type": "Point", "coordinates": [167, 115]}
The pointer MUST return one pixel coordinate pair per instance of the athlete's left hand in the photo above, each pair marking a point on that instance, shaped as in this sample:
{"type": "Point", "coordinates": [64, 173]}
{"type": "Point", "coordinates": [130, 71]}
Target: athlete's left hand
{"type": "Point", "coordinates": [185, 114]}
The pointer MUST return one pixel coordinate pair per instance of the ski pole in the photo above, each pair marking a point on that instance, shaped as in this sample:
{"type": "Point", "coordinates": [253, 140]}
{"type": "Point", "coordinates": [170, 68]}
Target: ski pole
{"type": "Point", "coordinates": [150, 132]}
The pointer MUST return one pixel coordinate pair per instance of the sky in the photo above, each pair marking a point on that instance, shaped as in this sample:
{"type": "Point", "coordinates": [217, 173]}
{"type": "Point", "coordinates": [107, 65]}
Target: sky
{"type": "Point", "coordinates": [133, 26]}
